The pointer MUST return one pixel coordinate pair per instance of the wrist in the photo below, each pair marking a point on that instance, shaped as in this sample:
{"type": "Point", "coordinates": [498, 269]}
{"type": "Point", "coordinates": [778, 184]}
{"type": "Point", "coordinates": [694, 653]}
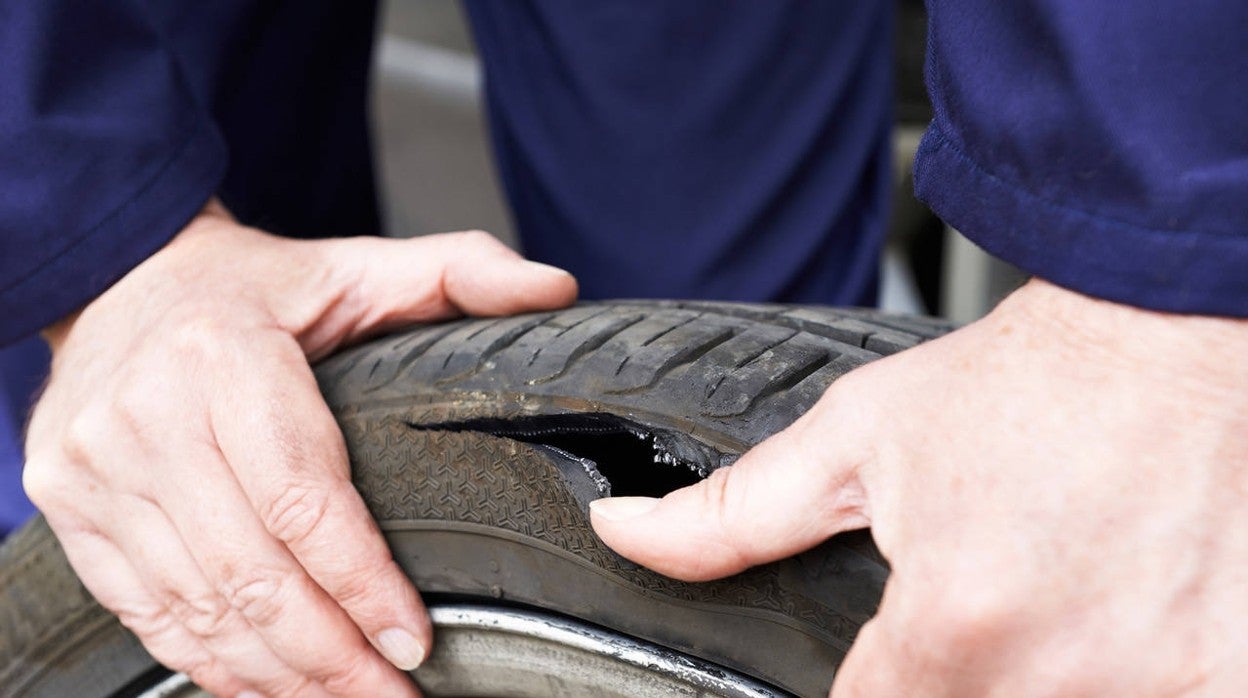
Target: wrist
{"type": "Point", "coordinates": [1197, 351]}
{"type": "Point", "coordinates": [212, 215]}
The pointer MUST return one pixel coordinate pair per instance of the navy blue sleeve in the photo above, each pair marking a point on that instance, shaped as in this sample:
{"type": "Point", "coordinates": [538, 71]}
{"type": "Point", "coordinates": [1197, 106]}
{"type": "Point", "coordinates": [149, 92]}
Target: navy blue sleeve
{"type": "Point", "coordinates": [1100, 145]}
{"type": "Point", "coordinates": [105, 153]}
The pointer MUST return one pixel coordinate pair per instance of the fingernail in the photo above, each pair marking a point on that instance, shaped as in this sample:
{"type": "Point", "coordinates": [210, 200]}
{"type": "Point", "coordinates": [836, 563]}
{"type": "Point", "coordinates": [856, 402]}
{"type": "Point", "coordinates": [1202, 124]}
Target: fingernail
{"type": "Point", "coordinates": [401, 648]}
{"type": "Point", "coordinates": [547, 269]}
{"type": "Point", "coordinates": [249, 694]}
{"type": "Point", "coordinates": [623, 508]}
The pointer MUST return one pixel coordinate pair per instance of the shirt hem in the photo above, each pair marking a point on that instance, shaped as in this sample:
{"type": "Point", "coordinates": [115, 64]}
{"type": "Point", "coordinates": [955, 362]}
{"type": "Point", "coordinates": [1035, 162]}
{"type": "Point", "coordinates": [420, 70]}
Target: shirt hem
{"type": "Point", "coordinates": [1178, 271]}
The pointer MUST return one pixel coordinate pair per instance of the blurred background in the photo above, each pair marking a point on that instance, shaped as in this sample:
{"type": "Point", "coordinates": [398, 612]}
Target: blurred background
{"type": "Point", "coordinates": [437, 174]}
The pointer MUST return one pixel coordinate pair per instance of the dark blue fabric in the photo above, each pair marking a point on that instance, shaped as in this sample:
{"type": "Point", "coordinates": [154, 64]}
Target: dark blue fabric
{"type": "Point", "coordinates": [119, 119]}
{"type": "Point", "coordinates": [286, 82]}
{"type": "Point", "coordinates": [105, 154]}
{"type": "Point", "coordinates": [703, 148]}
{"type": "Point", "coordinates": [1100, 145]}
{"type": "Point", "coordinates": [23, 367]}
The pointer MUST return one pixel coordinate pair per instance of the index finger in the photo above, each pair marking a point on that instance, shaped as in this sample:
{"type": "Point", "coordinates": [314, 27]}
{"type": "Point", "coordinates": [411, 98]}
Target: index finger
{"type": "Point", "coordinates": [295, 473]}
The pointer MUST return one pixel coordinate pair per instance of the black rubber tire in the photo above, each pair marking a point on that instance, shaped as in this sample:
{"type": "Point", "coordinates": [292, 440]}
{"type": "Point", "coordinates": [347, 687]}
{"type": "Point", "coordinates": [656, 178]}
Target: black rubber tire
{"type": "Point", "coordinates": [472, 441]}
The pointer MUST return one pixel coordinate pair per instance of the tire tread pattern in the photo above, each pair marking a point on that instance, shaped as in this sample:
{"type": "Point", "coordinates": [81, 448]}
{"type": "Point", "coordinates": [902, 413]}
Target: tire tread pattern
{"type": "Point", "coordinates": [725, 373]}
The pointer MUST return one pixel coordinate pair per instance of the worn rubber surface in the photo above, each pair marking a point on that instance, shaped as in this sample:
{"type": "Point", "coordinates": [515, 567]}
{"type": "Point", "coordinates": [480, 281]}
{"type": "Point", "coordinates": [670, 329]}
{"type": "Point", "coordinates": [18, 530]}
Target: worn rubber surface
{"type": "Point", "coordinates": [478, 445]}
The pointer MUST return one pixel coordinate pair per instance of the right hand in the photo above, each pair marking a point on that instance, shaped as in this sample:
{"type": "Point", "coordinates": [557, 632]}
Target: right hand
{"type": "Point", "coordinates": [197, 481]}
{"type": "Point", "coordinates": [1059, 489]}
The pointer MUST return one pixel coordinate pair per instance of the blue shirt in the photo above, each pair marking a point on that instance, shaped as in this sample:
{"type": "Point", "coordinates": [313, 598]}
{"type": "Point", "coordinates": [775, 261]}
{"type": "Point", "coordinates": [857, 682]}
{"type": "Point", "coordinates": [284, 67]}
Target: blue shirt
{"type": "Point", "coordinates": [119, 119]}
{"type": "Point", "coordinates": [1100, 145]}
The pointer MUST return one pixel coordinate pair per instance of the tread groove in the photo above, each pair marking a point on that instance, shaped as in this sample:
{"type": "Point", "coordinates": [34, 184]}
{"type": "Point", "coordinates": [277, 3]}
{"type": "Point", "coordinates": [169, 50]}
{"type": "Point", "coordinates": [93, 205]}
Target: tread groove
{"type": "Point", "coordinates": [589, 345]}
{"type": "Point", "coordinates": [502, 343]}
{"type": "Point", "coordinates": [506, 341]}
{"type": "Point", "coordinates": [580, 322]}
{"type": "Point", "coordinates": [422, 347]}
{"type": "Point", "coordinates": [669, 330]}
{"type": "Point", "coordinates": [680, 359]}
{"type": "Point", "coordinates": [793, 379]}
{"type": "Point", "coordinates": [483, 328]}
{"type": "Point", "coordinates": [743, 362]}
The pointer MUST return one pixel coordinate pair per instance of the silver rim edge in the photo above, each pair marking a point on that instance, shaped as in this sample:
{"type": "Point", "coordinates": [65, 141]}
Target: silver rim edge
{"type": "Point", "coordinates": [657, 664]}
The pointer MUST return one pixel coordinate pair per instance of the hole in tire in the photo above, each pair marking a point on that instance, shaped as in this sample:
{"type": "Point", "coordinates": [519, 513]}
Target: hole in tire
{"type": "Point", "coordinates": [629, 456]}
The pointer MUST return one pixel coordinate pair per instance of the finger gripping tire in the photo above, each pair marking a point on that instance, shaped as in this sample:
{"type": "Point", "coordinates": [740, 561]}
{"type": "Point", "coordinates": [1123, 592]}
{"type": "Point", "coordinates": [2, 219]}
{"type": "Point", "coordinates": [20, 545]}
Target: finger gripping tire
{"type": "Point", "coordinates": [478, 445]}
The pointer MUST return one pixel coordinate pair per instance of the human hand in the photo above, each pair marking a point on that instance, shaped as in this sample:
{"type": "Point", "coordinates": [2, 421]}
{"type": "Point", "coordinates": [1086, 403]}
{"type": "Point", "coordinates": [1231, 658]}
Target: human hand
{"type": "Point", "coordinates": [198, 483]}
{"type": "Point", "coordinates": [1061, 489]}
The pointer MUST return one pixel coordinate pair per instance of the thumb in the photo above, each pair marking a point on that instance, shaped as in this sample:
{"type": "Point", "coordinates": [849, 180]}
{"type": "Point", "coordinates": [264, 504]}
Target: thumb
{"type": "Point", "coordinates": [788, 494]}
{"type": "Point", "coordinates": [381, 284]}
{"type": "Point", "coordinates": [482, 276]}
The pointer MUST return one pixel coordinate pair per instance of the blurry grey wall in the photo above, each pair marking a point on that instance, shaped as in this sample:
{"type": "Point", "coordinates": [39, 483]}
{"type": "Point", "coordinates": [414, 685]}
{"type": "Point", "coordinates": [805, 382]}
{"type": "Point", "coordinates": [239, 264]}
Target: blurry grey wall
{"type": "Point", "coordinates": [431, 142]}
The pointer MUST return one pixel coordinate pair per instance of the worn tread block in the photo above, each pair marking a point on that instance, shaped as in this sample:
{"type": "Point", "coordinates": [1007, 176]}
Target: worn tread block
{"type": "Point", "coordinates": [684, 345]}
{"type": "Point", "coordinates": [567, 348]}
{"type": "Point", "coordinates": [607, 361]}
{"type": "Point", "coordinates": [779, 368]}
{"type": "Point", "coordinates": [514, 359]}
{"type": "Point", "coordinates": [464, 352]}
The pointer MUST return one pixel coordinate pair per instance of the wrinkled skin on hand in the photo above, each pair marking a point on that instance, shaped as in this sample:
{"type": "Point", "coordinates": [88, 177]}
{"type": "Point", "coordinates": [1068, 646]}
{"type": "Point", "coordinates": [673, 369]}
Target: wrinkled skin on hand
{"type": "Point", "coordinates": [198, 483]}
{"type": "Point", "coordinates": [1061, 489]}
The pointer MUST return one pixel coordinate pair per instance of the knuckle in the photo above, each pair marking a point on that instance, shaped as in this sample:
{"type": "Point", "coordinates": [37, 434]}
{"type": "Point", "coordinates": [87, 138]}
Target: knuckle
{"type": "Point", "coordinates": [714, 489]}
{"type": "Point", "coordinates": [292, 688]}
{"type": "Point", "coordinates": [139, 400]}
{"type": "Point", "coordinates": [259, 598]}
{"type": "Point", "coordinates": [207, 673]}
{"type": "Point", "coordinates": [297, 512]}
{"type": "Point", "coordinates": [201, 671]}
{"type": "Point", "coordinates": [85, 434]}
{"type": "Point", "coordinates": [44, 482]}
{"type": "Point", "coordinates": [347, 676]}
{"type": "Point", "coordinates": [846, 398]}
{"type": "Point", "coordinates": [163, 637]}
{"type": "Point", "coordinates": [198, 336]}
{"type": "Point", "coordinates": [203, 615]}
{"type": "Point", "coordinates": [147, 622]}
{"type": "Point", "coordinates": [169, 646]}
{"type": "Point", "coordinates": [478, 237]}
{"type": "Point", "coordinates": [479, 242]}
{"type": "Point", "coordinates": [971, 621]}
{"type": "Point", "coordinates": [721, 495]}
{"type": "Point", "coordinates": [355, 588]}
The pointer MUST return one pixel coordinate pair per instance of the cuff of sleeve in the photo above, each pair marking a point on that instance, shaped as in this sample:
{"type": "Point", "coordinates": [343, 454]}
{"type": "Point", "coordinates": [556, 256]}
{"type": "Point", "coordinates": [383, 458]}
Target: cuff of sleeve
{"type": "Point", "coordinates": [131, 233]}
{"type": "Point", "coordinates": [1168, 270]}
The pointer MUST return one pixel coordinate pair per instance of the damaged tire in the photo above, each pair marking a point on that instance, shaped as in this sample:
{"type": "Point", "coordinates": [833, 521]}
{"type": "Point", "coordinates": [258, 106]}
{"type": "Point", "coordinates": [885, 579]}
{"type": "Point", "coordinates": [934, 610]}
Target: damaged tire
{"type": "Point", "coordinates": [478, 445]}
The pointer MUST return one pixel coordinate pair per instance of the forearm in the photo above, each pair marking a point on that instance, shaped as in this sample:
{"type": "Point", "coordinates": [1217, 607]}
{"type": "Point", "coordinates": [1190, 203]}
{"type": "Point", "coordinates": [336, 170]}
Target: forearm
{"type": "Point", "coordinates": [107, 155]}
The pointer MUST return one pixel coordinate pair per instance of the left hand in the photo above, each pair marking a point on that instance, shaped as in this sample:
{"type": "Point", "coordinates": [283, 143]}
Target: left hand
{"type": "Point", "coordinates": [197, 480]}
{"type": "Point", "coordinates": [1061, 489]}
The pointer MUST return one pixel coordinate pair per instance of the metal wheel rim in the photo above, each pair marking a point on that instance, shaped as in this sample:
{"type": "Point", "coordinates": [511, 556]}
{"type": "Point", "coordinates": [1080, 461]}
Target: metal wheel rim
{"type": "Point", "coordinates": [491, 652]}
